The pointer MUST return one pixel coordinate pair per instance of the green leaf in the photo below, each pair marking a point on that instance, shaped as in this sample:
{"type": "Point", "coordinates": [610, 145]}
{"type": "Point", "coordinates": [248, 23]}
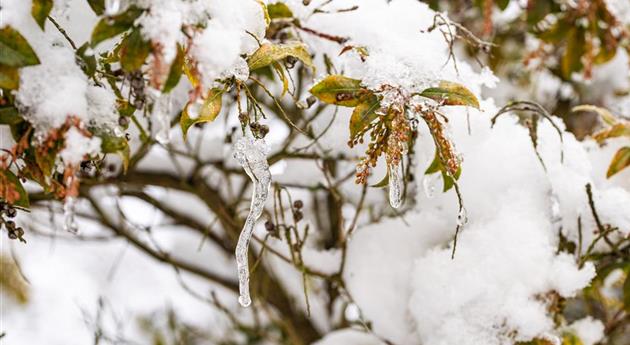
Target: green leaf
{"type": "Point", "coordinates": [574, 50]}
{"type": "Point", "coordinates": [14, 184]}
{"type": "Point", "coordinates": [40, 11]}
{"type": "Point", "coordinates": [364, 114]}
{"type": "Point", "coordinates": [269, 53]}
{"type": "Point", "coordinates": [9, 77]}
{"type": "Point", "coordinates": [87, 59]}
{"type": "Point", "coordinates": [339, 90]}
{"type": "Point", "coordinates": [502, 4]}
{"type": "Point", "coordinates": [15, 50]}
{"type": "Point", "coordinates": [112, 26]}
{"type": "Point", "coordinates": [436, 166]}
{"type": "Point", "coordinates": [117, 145]}
{"type": "Point", "coordinates": [9, 115]}
{"type": "Point", "coordinates": [571, 339]}
{"type": "Point", "coordinates": [620, 161]}
{"type": "Point", "coordinates": [626, 292]}
{"type": "Point", "coordinates": [384, 182]}
{"type": "Point", "coordinates": [175, 73]}
{"type": "Point", "coordinates": [279, 10]}
{"type": "Point", "coordinates": [449, 93]}
{"type": "Point", "coordinates": [605, 115]}
{"type": "Point", "coordinates": [134, 50]}
{"type": "Point", "coordinates": [98, 6]}
{"type": "Point", "coordinates": [208, 110]}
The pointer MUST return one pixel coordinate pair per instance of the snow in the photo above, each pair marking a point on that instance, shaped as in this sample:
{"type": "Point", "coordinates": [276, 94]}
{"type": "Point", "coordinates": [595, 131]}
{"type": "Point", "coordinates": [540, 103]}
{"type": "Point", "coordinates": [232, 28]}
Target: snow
{"type": "Point", "coordinates": [78, 146]}
{"type": "Point", "coordinates": [589, 330]}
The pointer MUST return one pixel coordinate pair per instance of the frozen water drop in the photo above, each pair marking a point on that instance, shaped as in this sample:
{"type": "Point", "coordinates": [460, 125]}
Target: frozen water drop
{"type": "Point", "coordinates": [556, 216]}
{"type": "Point", "coordinates": [429, 184]}
{"type": "Point", "coordinates": [352, 313]}
{"type": "Point", "coordinates": [69, 221]}
{"type": "Point", "coordinates": [395, 185]}
{"type": "Point", "coordinates": [252, 156]}
{"type": "Point", "coordinates": [462, 217]}
{"type": "Point", "coordinates": [112, 7]}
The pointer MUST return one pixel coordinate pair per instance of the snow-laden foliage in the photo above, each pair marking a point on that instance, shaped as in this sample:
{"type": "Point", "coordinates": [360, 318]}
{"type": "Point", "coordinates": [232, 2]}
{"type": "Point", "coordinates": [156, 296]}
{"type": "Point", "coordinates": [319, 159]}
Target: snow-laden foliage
{"type": "Point", "coordinates": [410, 188]}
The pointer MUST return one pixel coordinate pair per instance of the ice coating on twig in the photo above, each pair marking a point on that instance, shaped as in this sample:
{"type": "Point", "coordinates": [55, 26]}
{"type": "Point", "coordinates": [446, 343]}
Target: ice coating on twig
{"type": "Point", "coordinates": [252, 155]}
{"type": "Point", "coordinates": [395, 185]}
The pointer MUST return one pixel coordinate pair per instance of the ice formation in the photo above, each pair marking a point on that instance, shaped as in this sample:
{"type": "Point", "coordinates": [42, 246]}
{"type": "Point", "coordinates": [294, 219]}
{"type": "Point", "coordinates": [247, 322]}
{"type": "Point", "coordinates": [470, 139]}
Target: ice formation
{"type": "Point", "coordinates": [396, 185]}
{"type": "Point", "coordinates": [252, 156]}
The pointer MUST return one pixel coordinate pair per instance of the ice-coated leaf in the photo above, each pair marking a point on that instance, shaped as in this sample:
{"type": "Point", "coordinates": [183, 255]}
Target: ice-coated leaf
{"type": "Point", "coordinates": [134, 50]}
{"type": "Point", "coordinates": [269, 53]}
{"type": "Point", "coordinates": [13, 185]}
{"type": "Point", "coordinates": [364, 113]}
{"type": "Point", "coordinates": [279, 10]}
{"type": "Point", "coordinates": [339, 90]}
{"type": "Point", "coordinates": [449, 93]}
{"type": "Point", "coordinates": [620, 161]}
{"type": "Point", "coordinates": [109, 27]}
{"type": "Point", "coordinates": [175, 72]}
{"type": "Point", "coordinates": [15, 51]}
{"type": "Point", "coordinates": [40, 11]}
{"type": "Point", "coordinates": [117, 145]}
{"type": "Point", "coordinates": [207, 110]}
{"type": "Point", "coordinates": [9, 77]}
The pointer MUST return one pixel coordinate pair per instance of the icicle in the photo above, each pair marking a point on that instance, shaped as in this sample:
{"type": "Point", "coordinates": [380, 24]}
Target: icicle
{"type": "Point", "coordinates": [69, 221]}
{"type": "Point", "coordinates": [395, 185]}
{"type": "Point", "coordinates": [252, 155]}
{"type": "Point", "coordinates": [112, 7]}
{"type": "Point", "coordinates": [161, 115]}
{"type": "Point", "coordinates": [429, 184]}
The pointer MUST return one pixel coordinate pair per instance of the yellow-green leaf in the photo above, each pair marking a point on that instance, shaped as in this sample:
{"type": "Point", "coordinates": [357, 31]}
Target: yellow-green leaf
{"type": "Point", "coordinates": [574, 50]}
{"type": "Point", "coordinates": [175, 73]}
{"type": "Point", "coordinates": [449, 93]}
{"type": "Point", "coordinates": [40, 11]}
{"type": "Point", "coordinates": [9, 77]}
{"type": "Point", "coordinates": [98, 6]}
{"type": "Point", "coordinates": [9, 115]}
{"type": "Point", "coordinates": [384, 182]}
{"type": "Point", "coordinates": [208, 110]}
{"type": "Point", "coordinates": [134, 50]}
{"type": "Point", "coordinates": [112, 26]}
{"type": "Point", "coordinates": [279, 10]}
{"type": "Point", "coordinates": [15, 50]}
{"type": "Point", "coordinates": [620, 161]}
{"type": "Point", "coordinates": [617, 130]}
{"type": "Point", "coordinates": [436, 166]}
{"type": "Point", "coordinates": [117, 145]}
{"type": "Point", "coordinates": [14, 185]}
{"type": "Point", "coordinates": [606, 115]}
{"type": "Point", "coordinates": [364, 113]}
{"type": "Point", "coordinates": [571, 339]}
{"type": "Point", "coordinates": [269, 53]}
{"type": "Point", "coordinates": [339, 90]}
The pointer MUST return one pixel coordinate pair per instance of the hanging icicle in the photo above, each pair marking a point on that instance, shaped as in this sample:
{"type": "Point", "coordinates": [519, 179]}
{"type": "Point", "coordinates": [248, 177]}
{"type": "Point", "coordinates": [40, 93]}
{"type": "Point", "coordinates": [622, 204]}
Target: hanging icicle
{"type": "Point", "coordinates": [395, 185]}
{"type": "Point", "coordinates": [252, 155]}
{"type": "Point", "coordinates": [161, 116]}
{"type": "Point", "coordinates": [69, 221]}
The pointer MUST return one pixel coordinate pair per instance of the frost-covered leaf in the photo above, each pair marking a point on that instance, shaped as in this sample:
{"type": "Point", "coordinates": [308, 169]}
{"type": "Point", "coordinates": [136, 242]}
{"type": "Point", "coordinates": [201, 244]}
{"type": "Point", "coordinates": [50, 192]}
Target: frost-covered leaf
{"type": "Point", "coordinates": [9, 115]}
{"type": "Point", "coordinates": [98, 6]}
{"type": "Point", "coordinates": [13, 192]}
{"type": "Point", "coordinates": [364, 114]}
{"type": "Point", "coordinates": [40, 11]}
{"type": "Point", "coordinates": [9, 77]}
{"type": "Point", "coordinates": [269, 53]}
{"type": "Point", "coordinates": [112, 26]}
{"type": "Point", "coordinates": [339, 90]}
{"type": "Point", "coordinates": [175, 72]}
{"type": "Point", "coordinates": [15, 51]}
{"type": "Point", "coordinates": [206, 111]}
{"type": "Point", "coordinates": [134, 50]}
{"type": "Point", "coordinates": [620, 161]}
{"type": "Point", "coordinates": [279, 10]}
{"type": "Point", "coordinates": [450, 93]}
{"type": "Point", "coordinates": [117, 145]}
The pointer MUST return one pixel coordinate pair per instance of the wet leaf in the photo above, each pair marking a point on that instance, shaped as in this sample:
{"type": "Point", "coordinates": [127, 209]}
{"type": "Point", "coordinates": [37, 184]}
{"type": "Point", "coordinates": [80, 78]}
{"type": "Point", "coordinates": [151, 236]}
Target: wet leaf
{"type": "Point", "coordinates": [112, 26]}
{"type": "Point", "coordinates": [117, 145]}
{"type": "Point", "coordinates": [134, 50]}
{"type": "Point", "coordinates": [14, 185]}
{"type": "Point", "coordinates": [40, 11]}
{"type": "Point", "coordinates": [449, 93]}
{"type": "Point", "coordinates": [208, 110]}
{"type": "Point", "coordinates": [620, 161]}
{"type": "Point", "coordinates": [269, 53]}
{"type": "Point", "coordinates": [279, 10]}
{"type": "Point", "coordinates": [364, 114]}
{"type": "Point", "coordinates": [9, 77]}
{"type": "Point", "coordinates": [15, 51]}
{"type": "Point", "coordinates": [175, 73]}
{"type": "Point", "coordinates": [339, 90]}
